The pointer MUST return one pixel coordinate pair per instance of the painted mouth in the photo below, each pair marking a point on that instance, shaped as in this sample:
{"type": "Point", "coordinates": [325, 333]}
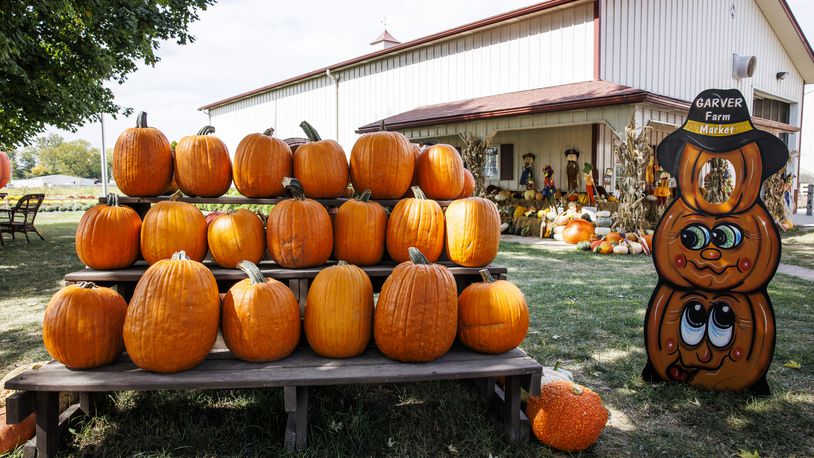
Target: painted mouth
{"type": "Point", "coordinates": [718, 271]}
{"type": "Point", "coordinates": [678, 373]}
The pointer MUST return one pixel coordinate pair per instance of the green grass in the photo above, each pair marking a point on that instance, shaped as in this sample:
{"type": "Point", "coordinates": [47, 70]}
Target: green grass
{"type": "Point", "coordinates": [798, 248]}
{"type": "Point", "coordinates": [587, 311]}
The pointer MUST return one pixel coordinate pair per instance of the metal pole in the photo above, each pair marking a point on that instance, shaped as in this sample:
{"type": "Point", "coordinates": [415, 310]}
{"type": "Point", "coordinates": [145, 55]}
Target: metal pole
{"type": "Point", "coordinates": [104, 156]}
{"type": "Point", "coordinates": [810, 199]}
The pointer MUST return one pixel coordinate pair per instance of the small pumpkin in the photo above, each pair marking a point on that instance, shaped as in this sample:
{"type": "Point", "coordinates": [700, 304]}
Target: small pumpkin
{"type": "Point", "coordinates": [298, 230]}
{"type": "Point", "coordinates": [13, 436]}
{"type": "Point", "coordinates": [577, 231]}
{"type": "Point", "coordinates": [142, 160]}
{"type": "Point", "coordinates": [621, 249]}
{"type": "Point", "coordinates": [415, 222]}
{"type": "Point", "coordinates": [440, 171]}
{"type": "Point", "coordinates": [107, 236]}
{"type": "Point", "coordinates": [360, 228]}
{"type": "Point", "coordinates": [614, 237]}
{"type": "Point", "coordinates": [382, 162]}
{"type": "Point", "coordinates": [235, 237]}
{"type": "Point", "coordinates": [469, 185]}
{"type": "Point", "coordinates": [172, 226]}
{"type": "Point", "coordinates": [202, 164]}
{"type": "Point", "coordinates": [566, 416]}
{"type": "Point", "coordinates": [493, 316]}
{"type": "Point", "coordinates": [473, 231]}
{"type": "Point", "coordinates": [320, 166]}
{"type": "Point", "coordinates": [603, 221]}
{"type": "Point", "coordinates": [519, 211]}
{"type": "Point", "coordinates": [602, 231]}
{"type": "Point", "coordinates": [261, 163]}
{"type": "Point", "coordinates": [604, 247]}
{"type": "Point", "coordinates": [5, 170]}
{"type": "Point", "coordinates": [584, 245]}
{"type": "Point", "coordinates": [595, 244]}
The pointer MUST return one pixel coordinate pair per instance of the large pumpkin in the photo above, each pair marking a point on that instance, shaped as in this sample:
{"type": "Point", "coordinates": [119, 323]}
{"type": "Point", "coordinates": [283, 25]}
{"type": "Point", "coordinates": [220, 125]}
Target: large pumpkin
{"type": "Point", "coordinates": [82, 327]}
{"type": "Point", "coordinates": [566, 416]}
{"type": "Point", "coordinates": [360, 227]}
{"type": "Point", "coordinates": [5, 169]}
{"type": "Point", "coordinates": [415, 222]}
{"type": "Point", "coordinates": [202, 165]}
{"type": "Point", "coordinates": [172, 320]}
{"type": "Point", "coordinates": [473, 231]}
{"type": "Point", "coordinates": [142, 160]}
{"type": "Point", "coordinates": [235, 237]}
{"type": "Point", "coordinates": [468, 189]}
{"type": "Point", "coordinates": [382, 162]}
{"type": "Point", "coordinates": [261, 317]}
{"type": "Point", "coordinates": [493, 316]}
{"type": "Point", "coordinates": [321, 166]}
{"type": "Point", "coordinates": [417, 313]}
{"type": "Point", "coordinates": [578, 230]}
{"type": "Point", "coordinates": [298, 230]}
{"type": "Point", "coordinates": [440, 172]}
{"type": "Point", "coordinates": [13, 436]}
{"type": "Point", "coordinates": [261, 163]}
{"type": "Point", "coordinates": [339, 311]}
{"type": "Point", "coordinates": [172, 226]}
{"type": "Point", "coordinates": [107, 236]}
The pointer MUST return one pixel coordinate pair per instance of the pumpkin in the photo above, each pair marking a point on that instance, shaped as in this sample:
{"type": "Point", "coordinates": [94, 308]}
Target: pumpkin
{"type": "Point", "coordinates": [603, 221]}
{"type": "Point", "coordinates": [360, 228]}
{"type": "Point", "coordinates": [107, 236]}
{"type": "Point", "coordinates": [212, 216]}
{"type": "Point", "coordinates": [614, 237]}
{"type": "Point", "coordinates": [235, 237]}
{"type": "Point", "coordinates": [142, 160]}
{"type": "Point", "coordinates": [584, 245]}
{"type": "Point", "coordinates": [172, 226]}
{"type": "Point", "coordinates": [469, 185]}
{"type": "Point", "coordinates": [595, 244]}
{"type": "Point", "coordinates": [261, 317]}
{"type": "Point", "coordinates": [320, 166]}
{"type": "Point", "coordinates": [13, 436]}
{"type": "Point", "coordinates": [493, 316]}
{"type": "Point", "coordinates": [635, 247]}
{"type": "Point", "coordinates": [415, 222]}
{"type": "Point", "coordinates": [621, 249]}
{"type": "Point", "coordinates": [577, 231]}
{"type": "Point", "coordinates": [338, 317]}
{"type": "Point", "coordinates": [5, 171]}
{"type": "Point", "coordinates": [555, 374]}
{"type": "Point", "coordinates": [604, 247]}
{"type": "Point", "coordinates": [261, 163]}
{"type": "Point", "coordinates": [172, 320]}
{"type": "Point", "coordinates": [473, 231]}
{"type": "Point", "coordinates": [82, 327]}
{"type": "Point", "coordinates": [519, 211]}
{"type": "Point", "coordinates": [566, 416]}
{"type": "Point", "coordinates": [440, 172]}
{"type": "Point", "coordinates": [298, 230]}
{"type": "Point", "coordinates": [382, 162]}
{"type": "Point", "coordinates": [417, 313]}
{"type": "Point", "coordinates": [602, 231]}
{"type": "Point", "coordinates": [202, 165]}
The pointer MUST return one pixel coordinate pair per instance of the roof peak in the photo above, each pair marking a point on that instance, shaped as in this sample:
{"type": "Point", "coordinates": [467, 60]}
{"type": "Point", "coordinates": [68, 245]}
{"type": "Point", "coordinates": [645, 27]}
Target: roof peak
{"type": "Point", "coordinates": [386, 38]}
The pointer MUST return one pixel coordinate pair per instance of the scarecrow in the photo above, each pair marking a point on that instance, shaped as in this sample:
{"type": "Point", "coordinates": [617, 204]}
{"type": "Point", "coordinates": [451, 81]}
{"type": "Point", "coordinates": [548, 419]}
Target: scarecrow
{"type": "Point", "coordinates": [527, 174]}
{"type": "Point", "coordinates": [590, 189]}
{"type": "Point", "coordinates": [572, 169]}
{"type": "Point", "coordinates": [549, 189]}
{"type": "Point", "coordinates": [662, 191]}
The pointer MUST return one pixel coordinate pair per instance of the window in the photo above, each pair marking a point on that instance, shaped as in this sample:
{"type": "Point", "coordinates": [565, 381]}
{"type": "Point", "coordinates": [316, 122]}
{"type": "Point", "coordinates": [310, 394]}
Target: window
{"type": "Point", "coordinates": [771, 109]}
{"type": "Point", "coordinates": [507, 161]}
{"type": "Point", "coordinates": [490, 168]}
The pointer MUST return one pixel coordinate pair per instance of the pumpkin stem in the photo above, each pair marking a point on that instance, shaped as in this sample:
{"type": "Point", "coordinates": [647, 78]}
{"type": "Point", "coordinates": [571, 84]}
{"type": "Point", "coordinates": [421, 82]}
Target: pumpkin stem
{"type": "Point", "coordinates": [269, 132]}
{"type": "Point", "coordinates": [418, 193]}
{"type": "Point", "coordinates": [112, 200]}
{"type": "Point", "coordinates": [341, 263]}
{"type": "Point", "coordinates": [294, 188]}
{"type": "Point", "coordinates": [255, 276]}
{"type": "Point", "coordinates": [206, 130]}
{"type": "Point", "coordinates": [180, 256]}
{"type": "Point", "coordinates": [310, 132]}
{"type": "Point", "coordinates": [417, 257]}
{"type": "Point", "coordinates": [177, 195]}
{"type": "Point", "coordinates": [381, 126]}
{"type": "Point", "coordinates": [86, 285]}
{"type": "Point", "coordinates": [141, 120]}
{"type": "Point", "coordinates": [365, 196]}
{"type": "Point", "coordinates": [486, 276]}
{"type": "Point", "coordinates": [557, 365]}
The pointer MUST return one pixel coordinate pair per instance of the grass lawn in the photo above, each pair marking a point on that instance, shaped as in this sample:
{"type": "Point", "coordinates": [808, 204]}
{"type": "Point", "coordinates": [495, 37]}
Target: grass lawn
{"type": "Point", "coordinates": [798, 248]}
{"type": "Point", "coordinates": [587, 311]}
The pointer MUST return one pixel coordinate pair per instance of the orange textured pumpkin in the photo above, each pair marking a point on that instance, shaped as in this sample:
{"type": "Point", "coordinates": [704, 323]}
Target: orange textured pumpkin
{"type": "Point", "coordinates": [321, 166]}
{"type": "Point", "coordinates": [382, 162]}
{"type": "Point", "coordinates": [614, 237]}
{"type": "Point", "coordinates": [13, 436]}
{"type": "Point", "coordinates": [172, 226]}
{"type": "Point", "coordinates": [82, 327]}
{"type": "Point", "coordinates": [360, 227]}
{"type": "Point", "coordinates": [202, 165]}
{"type": "Point", "coordinates": [261, 163]}
{"type": "Point", "coordinates": [493, 316]}
{"type": "Point", "coordinates": [261, 317]}
{"type": "Point", "coordinates": [578, 230]}
{"type": "Point", "coordinates": [339, 311]}
{"type": "Point", "coordinates": [5, 169]}
{"type": "Point", "coordinates": [473, 231]}
{"type": "Point", "coordinates": [172, 320]}
{"type": "Point", "coordinates": [235, 237]}
{"type": "Point", "coordinates": [566, 416]}
{"type": "Point", "coordinates": [415, 222]}
{"type": "Point", "coordinates": [469, 185]}
{"type": "Point", "coordinates": [107, 236]}
{"type": "Point", "coordinates": [142, 160]}
{"type": "Point", "coordinates": [440, 172]}
{"type": "Point", "coordinates": [298, 231]}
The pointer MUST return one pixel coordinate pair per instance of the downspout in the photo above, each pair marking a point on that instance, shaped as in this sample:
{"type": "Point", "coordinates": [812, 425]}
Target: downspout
{"type": "Point", "coordinates": [335, 79]}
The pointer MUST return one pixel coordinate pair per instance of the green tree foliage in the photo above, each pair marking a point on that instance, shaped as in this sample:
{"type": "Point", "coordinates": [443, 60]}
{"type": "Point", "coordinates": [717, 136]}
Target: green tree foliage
{"type": "Point", "coordinates": [52, 155]}
{"type": "Point", "coordinates": [56, 55]}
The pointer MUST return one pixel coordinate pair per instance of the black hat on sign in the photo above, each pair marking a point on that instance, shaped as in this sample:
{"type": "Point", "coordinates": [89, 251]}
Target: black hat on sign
{"type": "Point", "coordinates": [719, 122]}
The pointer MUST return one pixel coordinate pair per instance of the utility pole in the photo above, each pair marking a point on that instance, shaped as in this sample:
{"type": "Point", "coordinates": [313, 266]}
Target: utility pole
{"type": "Point", "coordinates": [104, 156]}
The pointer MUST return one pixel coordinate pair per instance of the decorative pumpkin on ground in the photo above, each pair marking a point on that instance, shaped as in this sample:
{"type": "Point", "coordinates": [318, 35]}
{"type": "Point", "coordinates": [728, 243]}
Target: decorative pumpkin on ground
{"type": "Point", "coordinates": [614, 237]}
{"type": "Point", "coordinates": [584, 245]}
{"type": "Point", "coordinates": [235, 237]}
{"type": "Point", "coordinates": [321, 166]}
{"type": "Point", "coordinates": [469, 185]}
{"type": "Point", "coordinates": [415, 222]}
{"type": "Point", "coordinates": [473, 231]}
{"type": "Point", "coordinates": [577, 231]}
{"type": "Point", "coordinates": [555, 374]}
{"type": "Point", "coordinates": [382, 162]}
{"type": "Point", "coordinates": [5, 171]}
{"type": "Point", "coordinates": [13, 436]}
{"type": "Point", "coordinates": [360, 228]}
{"type": "Point", "coordinates": [172, 320]}
{"type": "Point", "coordinates": [440, 171]}
{"type": "Point", "coordinates": [416, 316]}
{"type": "Point", "coordinates": [566, 416]}
{"type": "Point", "coordinates": [142, 160]}
{"type": "Point", "coordinates": [338, 317]}
{"type": "Point", "coordinates": [82, 327]}
{"type": "Point", "coordinates": [261, 317]}
{"type": "Point", "coordinates": [107, 236]}
{"type": "Point", "coordinates": [604, 247]}
{"type": "Point", "coordinates": [202, 164]}
{"type": "Point", "coordinates": [172, 226]}
{"type": "Point", "coordinates": [493, 316]}
{"type": "Point", "coordinates": [298, 230]}
{"type": "Point", "coordinates": [261, 163]}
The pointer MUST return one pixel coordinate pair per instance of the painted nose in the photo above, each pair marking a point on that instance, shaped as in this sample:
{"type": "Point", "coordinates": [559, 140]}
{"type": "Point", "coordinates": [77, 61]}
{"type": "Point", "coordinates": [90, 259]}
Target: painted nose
{"type": "Point", "coordinates": [711, 254]}
{"type": "Point", "coordinates": [706, 356]}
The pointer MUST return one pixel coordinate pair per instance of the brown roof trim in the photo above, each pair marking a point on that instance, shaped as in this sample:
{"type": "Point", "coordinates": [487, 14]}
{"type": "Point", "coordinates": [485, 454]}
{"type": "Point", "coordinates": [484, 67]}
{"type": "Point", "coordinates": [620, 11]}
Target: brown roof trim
{"type": "Point", "coordinates": [797, 28]}
{"type": "Point", "coordinates": [400, 47]}
{"type": "Point", "coordinates": [774, 125]}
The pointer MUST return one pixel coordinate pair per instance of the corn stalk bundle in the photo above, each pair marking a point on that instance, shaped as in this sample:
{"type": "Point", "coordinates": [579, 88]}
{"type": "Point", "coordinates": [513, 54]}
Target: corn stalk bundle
{"type": "Point", "coordinates": [715, 184]}
{"type": "Point", "coordinates": [630, 156]}
{"type": "Point", "coordinates": [473, 153]}
{"type": "Point", "coordinates": [773, 190]}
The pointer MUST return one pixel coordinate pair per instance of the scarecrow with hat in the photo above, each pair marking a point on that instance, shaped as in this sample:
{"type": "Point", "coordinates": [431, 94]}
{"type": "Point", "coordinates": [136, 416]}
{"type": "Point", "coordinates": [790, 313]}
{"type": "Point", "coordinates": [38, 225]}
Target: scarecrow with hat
{"type": "Point", "coordinates": [527, 174]}
{"type": "Point", "coordinates": [590, 189]}
{"type": "Point", "coordinates": [572, 169]}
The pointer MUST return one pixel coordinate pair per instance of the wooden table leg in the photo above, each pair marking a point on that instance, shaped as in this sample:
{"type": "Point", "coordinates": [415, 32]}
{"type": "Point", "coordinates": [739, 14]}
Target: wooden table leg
{"type": "Point", "coordinates": [296, 406]}
{"type": "Point", "coordinates": [47, 423]}
{"type": "Point", "coordinates": [89, 402]}
{"type": "Point", "coordinates": [515, 422]}
{"type": "Point", "coordinates": [486, 386]}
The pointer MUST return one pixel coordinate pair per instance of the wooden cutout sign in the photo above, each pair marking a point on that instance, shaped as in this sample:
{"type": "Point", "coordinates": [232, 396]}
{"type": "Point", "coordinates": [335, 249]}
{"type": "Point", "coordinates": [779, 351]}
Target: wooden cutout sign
{"type": "Point", "coordinates": [710, 322]}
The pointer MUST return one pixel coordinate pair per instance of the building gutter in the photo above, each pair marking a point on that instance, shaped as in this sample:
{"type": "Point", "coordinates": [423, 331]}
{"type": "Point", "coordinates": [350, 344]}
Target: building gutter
{"type": "Point", "coordinates": [335, 79]}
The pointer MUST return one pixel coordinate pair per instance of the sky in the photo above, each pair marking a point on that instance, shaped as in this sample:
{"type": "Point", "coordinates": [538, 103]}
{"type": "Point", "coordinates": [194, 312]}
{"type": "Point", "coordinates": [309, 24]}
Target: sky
{"type": "Point", "coordinates": [244, 44]}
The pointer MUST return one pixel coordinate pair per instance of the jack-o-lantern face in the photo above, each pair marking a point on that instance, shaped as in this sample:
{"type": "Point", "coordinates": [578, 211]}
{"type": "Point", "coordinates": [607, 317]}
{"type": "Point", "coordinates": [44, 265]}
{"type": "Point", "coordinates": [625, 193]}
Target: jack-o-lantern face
{"type": "Point", "coordinates": [739, 253]}
{"type": "Point", "coordinates": [713, 340]}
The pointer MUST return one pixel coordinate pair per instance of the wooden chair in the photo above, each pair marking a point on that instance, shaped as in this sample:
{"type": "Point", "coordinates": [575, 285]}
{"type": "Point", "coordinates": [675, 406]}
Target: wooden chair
{"type": "Point", "coordinates": [20, 218]}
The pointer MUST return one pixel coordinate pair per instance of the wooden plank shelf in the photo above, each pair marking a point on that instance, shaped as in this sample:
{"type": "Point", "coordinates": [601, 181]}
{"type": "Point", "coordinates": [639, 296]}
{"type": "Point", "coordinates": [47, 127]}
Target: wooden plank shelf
{"type": "Point", "coordinates": [241, 200]}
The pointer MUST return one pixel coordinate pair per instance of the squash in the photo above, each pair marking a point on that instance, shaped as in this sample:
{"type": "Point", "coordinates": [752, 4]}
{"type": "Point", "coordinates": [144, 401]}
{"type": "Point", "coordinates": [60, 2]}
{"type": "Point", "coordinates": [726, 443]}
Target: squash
{"type": "Point", "coordinates": [602, 231]}
{"type": "Point", "coordinates": [142, 160]}
{"type": "Point", "coordinates": [13, 436]}
{"type": "Point", "coordinates": [529, 194]}
{"type": "Point", "coordinates": [635, 247]}
{"type": "Point", "coordinates": [577, 231]}
{"type": "Point", "coordinates": [320, 166]}
{"type": "Point", "coordinates": [261, 317]}
{"type": "Point", "coordinates": [493, 316]}
{"type": "Point", "coordinates": [235, 237]}
{"type": "Point", "coordinates": [440, 172]}
{"type": "Point", "coordinates": [298, 230]}
{"type": "Point", "coordinates": [172, 320]}
{"type": "Point", "coordinates": [415, 222]}
{"type": "Point", "coordinates": [202, 164]}
{"type": "Point", "coordinates": [82, 327]}
{"type": "Point", "coordinates": [519, 211]}
{"type": "Point", "coordinates": [382, 162]}
{"type": "Point", "coordinates": [566, 416]}
{"type": "Point", "coordinates": [555, 374]}
{"type": "Point", "coordinates": [595, 244]}
{"type": "Point", "coordinates": [338, 318]}
{"type": "Point", "coordinates": [603, 221]}
{"type": "Point", "coordinates": [172, 226]}
{"type": "Point", "coordinates": [584, 245]}
{"type": "Point", "coordinates": [107, 236]}
{"type": "Point", "coordinates": [212, 216]}
{"type": "Point", "coordinates": [603, 214]}
{"type": "Point", "coordinates": [360, 228]}
{"type": "Point", "coordinates": [473, 231]}
{"type": "Point", "coordinates": [621, 249]}
{"type": "Point", "coordinates": [5, 173]}
{"type": "Point", "coordinates": [468, 189]}
{"type": "Point", "coordinates": [261, 163]}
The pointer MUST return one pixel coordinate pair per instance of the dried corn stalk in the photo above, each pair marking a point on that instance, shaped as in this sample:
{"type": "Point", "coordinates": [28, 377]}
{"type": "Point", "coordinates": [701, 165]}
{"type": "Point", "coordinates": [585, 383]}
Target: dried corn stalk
{"type": "Point", "coordinates": [631, 156]}
{"type": "Point", "coordinates": [773, 190]}
{"type": "Point", "coordinates": [715, 182]}
{"type": "Point", "coordinates": [473, 152]}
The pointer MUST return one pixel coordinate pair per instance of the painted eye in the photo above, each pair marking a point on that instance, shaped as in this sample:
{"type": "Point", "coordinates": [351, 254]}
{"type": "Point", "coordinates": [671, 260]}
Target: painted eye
{"type": "Point", "coordinates": [693, 323]}
{"type": "Point", "coordinates": [721, 324]}
{"type": "Point", "coordinates": [727, 236]}
{"type": "Point", "coordinates": [695, 236]}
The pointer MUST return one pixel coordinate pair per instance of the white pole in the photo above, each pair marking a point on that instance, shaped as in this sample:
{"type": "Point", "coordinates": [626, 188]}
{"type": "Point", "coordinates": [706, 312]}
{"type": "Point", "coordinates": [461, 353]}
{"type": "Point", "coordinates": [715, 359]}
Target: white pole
{"type": "Point", "coordinates": [104, 156]}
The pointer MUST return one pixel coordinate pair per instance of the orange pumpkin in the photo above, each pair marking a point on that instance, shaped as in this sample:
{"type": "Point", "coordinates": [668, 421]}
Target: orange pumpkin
{"type": "Point", "coordinates": [82, 327]}
{"type": "Point", "coordinates": [614, 237]}
{"type": "Point", "coordinates": [321, 166]}
{"type": "Point", "coordinates": [604, 247]}
{"type": "Point", "coordinates": [298, 231]}
{"type": "Point", "coordinates": [566, 416]}
{"type": "Point", "coordinates": [493, 316]}
{"type": "Point", "coordinates": [172, 320]}
{"type": "Point", "coordinates": [5, 169]}
{"type": "Point", "coordinates": [172, 226]}
{"type": "Point", "coordinates": [417, 313]}
{"type": "Point", "coordinates": [261, 163]}
{"type": "Point", "coordinates": [261, 317]}
{"type": "Point", "coordinates": [440, 172]}
{"type": "Point", "coordinates": [202, 165]}
{"type": "Point", "coordinates": [415, 222]}
{"type": "Point", "coordinates": [578, 230]}
{"type": "Point", "coordinates": [13, 436]}
{"type": "Point", "coordinates": [107, 236]}
{"type": "Point", "coordinates": [382, 162]}
{"type": "Point", "coordinates": [473, 231]}
{"type": "Point", "coordinates": [142, 160]}
{"type": "Point", "coordinates": [235, 237]}
{"type": "Point", "coordinates": [339, 311]}
{"type": "Point", "coordinates": [469, 185]}
{"type": "Point", "coordinates": [360, 227]}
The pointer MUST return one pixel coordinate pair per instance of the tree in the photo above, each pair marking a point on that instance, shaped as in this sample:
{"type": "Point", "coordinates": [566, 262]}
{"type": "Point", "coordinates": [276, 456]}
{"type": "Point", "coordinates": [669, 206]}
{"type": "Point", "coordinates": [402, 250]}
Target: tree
{"type": "Point", "coordinates": [75, 158]}
{"type": "Point", "coordinates": [56, 55]}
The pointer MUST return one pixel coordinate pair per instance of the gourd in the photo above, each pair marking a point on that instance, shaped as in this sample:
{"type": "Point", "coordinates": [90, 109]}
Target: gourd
{"type": "Point", "coordinates": [555, 374]}
{"type": "Point", "coordinates": [360, 228]}
{"type": "Point", "coordinates": [577, 231]}
{"type": "Point", "coordinates": [320, 166]}
{"type": "Point", "coordinates": [202, 165]}
{"type": "Point", "coordinates": [493, 316]}
{"type": "Point", "coordinates": [142, 160]}
{"type": "Point", "coordinates": [584, 245]}
{"type": "Point", "coordinates": [107, 236]}
{"type": "Point", "coordinates": [261, 163]}
{"type": "Point", "coordinates": [603, 221]}
{"type": "Point", "coordinates": [621, 249]}
{"type": "Point", "coordinates": [172, 226]}
{"type": "Point", "coordinates": [635, 247]}
{"type": "Point", "coordinates": [439, 171]}
{"type": "Point", "coordinates": [603, 214]}
{"type": "Point", "coordinates": [415, 222]}
{"type": "Point", "coordinates": [602, 231]}
{"type": "Point", "coordinates": [473, 231]}
{"type": "Point", "coordinates": [604, 247]}
{"type": "Point", "coordinates": [468, 189]}
{"type": "Point", "coordinates": [298, 230]}
{"type": "Point", "coordinates": [5, 170]}
{"type": "Point", "coordinates": [519, 211]}
{"type": "Point", "coordinates": [235, 237]}
{"type": "Point", "coordinates": [382, 162]}
{"type": "Point", "coordinates": [566, 416]}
